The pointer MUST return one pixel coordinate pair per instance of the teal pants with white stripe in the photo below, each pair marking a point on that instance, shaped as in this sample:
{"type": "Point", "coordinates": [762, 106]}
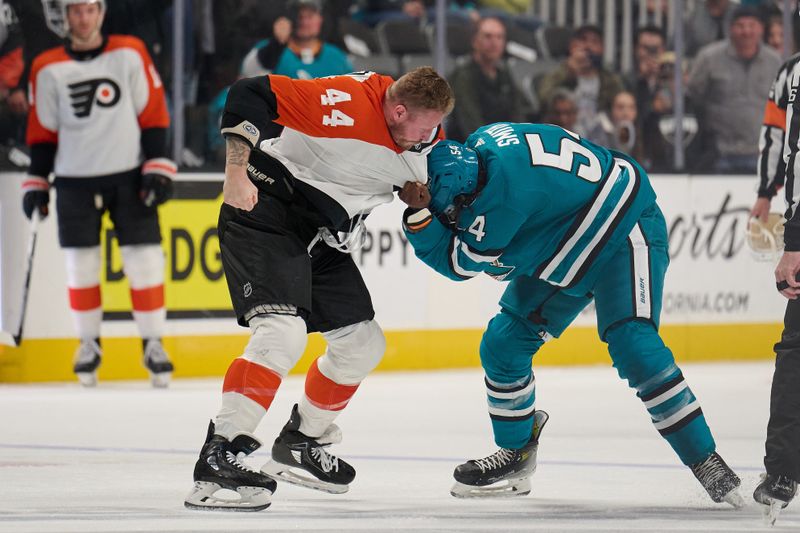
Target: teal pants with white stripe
{"type": "Point", "coordinates": [627, 295]}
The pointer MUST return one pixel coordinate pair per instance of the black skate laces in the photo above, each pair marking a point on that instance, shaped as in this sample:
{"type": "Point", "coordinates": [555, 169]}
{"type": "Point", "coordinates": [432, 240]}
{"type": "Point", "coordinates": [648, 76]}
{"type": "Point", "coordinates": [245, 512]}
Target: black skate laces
{"type": "Point", "coordinates": [326, 460]}
{"type": "Point", "coordinates": [499, 458]}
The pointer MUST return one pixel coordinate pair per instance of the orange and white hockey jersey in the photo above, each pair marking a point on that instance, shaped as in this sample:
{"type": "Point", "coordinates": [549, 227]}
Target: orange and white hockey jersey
{"type": "Point", "coordinates": [335, 136]}
{"type": "Point", "coordinates": [95, 108]}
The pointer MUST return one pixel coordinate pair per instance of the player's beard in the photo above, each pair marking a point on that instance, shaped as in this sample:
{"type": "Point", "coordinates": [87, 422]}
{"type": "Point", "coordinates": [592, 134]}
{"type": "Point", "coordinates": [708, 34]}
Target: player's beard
{"type": "Point", "coordinates": [406, 144]}
{"type": "Point", "coordinates": [402, 142]}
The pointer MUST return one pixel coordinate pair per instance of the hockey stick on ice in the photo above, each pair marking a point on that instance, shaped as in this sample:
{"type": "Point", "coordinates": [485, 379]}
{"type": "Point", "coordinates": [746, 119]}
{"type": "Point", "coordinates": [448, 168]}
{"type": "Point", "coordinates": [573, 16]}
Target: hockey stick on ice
{"type": "Point", "coordinates": [17, 338]}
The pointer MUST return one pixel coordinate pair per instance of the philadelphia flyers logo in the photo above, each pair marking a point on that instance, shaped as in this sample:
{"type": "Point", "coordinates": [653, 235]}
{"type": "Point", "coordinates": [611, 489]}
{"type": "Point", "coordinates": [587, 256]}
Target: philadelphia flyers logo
{"type": "Point", "coordinates": [101, 91]}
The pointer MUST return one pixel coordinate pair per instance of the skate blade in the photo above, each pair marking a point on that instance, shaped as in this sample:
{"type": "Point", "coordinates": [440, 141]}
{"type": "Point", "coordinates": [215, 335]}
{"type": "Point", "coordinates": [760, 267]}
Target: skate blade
{"type": "Point", "coordinates": [251, 499]}
{"type": "Point", "coordinates": [87, 379]}
{"type": "Point", "coordinates": [734, 498]}
{"type": "Point", "coordinates": [160, 380]}
{"type": "Point", "coordinates": [772, 510]}
{"type": "Point", "coordinates": [511, 488]}
{"type": "Point", "coordinates": [282, 472]}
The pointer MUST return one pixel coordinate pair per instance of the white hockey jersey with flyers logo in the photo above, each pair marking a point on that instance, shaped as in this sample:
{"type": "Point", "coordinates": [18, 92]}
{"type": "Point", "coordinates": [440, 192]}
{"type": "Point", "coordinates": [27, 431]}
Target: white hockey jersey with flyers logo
{"type": "Point", "coordinates": [95, 109]}
{"type": "Point", "coordinates": [335, 136]}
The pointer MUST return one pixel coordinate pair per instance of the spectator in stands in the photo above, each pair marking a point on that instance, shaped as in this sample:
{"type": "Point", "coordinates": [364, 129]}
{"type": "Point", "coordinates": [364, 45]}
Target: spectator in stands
{"type": "Point", "coordinates": [11, 66]}
{"type": "Point", "coordinates": [517, 12]}
{"type": "Point", "coordinates": [656, 12]}
{"type": "Point", "coordinates": [583, 73]}
{"type": "Point", "coordinates": [37, 37]}
{"type": "Point", "coordinates": [147, 20]}
{"type": "Point", "coordinates": [512, 7]}
{"type": "Point", "coordinates": [561, 109]}
{"type": "Point", "coordinates": [773, 35]}
{"type": "Point", "coordinates": [373, 12]}
{"type": "Point", "coordinates": [659, 125]}
{"type": "Point", "coordinates": [296, 49]}
{"type": "Point", "coordinates": [483, 87]}
{"type": "Point", "coordinates": [650, 46]}
{"type": "Point", "coordinates": [616, 128]}
{"type": "Point", "coordinates": [728, 85]}
{"type": "Point", "coordinates": [238, 24]}
{"type": "Point", "coordinates": [709, 22]}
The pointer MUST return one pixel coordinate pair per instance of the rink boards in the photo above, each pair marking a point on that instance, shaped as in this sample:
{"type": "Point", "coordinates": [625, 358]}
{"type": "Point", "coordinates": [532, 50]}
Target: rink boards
{"type": "Point", "coordinates": [720, 303]}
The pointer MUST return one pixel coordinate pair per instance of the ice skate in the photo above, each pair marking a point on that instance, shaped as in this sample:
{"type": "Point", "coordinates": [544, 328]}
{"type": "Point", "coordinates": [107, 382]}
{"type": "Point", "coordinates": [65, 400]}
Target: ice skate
{"type": "Point", "coordinates": [505, 473]}
{"type": "Point", "coordinates": [87, 361]}
{"type": "Point", "coordinates": [220, 467]}
{"type": "Point", "coordinates": [719, 480]}
{"type": "Point", "coordinates": [774, 493]}
{"type": "Point", "coordinates": [294, 455]}
{"type": "Point", "coordinates": [157, 363]}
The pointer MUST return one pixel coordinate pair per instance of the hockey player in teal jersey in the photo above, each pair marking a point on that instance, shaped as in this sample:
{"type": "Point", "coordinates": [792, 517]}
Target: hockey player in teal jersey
{"type": "Point", "coordinates": [565, 221]}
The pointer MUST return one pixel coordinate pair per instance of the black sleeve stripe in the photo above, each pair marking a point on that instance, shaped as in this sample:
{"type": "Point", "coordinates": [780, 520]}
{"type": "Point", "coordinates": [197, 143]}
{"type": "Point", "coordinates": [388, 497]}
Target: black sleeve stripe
{"type": "Point", "coordinates": [662, 389]}
{"type": "Point", "coordinates": [792, 228]}
{"type": "Point", "coordinates": [771, 168]}
{"type": "Point", "coordinates": [493, 254]}
{"type": "Point", "coordinates": [43, 157]}
{"type": "Point", "coordinates": [452, 254]}
{"type": "Point", "coordinates": [252, 100]}
{"type": "Point", "coordinates": [154, 143]}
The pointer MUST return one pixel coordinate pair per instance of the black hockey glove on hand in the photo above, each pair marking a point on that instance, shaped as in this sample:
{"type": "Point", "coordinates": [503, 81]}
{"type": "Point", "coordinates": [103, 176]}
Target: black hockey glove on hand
{"type": "Point", "coordinates": [157, 176]}
{"type": "Point", "coordinates": [36, 196]}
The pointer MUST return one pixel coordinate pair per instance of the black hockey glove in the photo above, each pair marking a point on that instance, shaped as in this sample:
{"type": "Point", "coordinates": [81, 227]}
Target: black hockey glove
{"type": "Point", "coordinates": [157, 176]}
{"type": "Point", "coordinates": [36, 196]}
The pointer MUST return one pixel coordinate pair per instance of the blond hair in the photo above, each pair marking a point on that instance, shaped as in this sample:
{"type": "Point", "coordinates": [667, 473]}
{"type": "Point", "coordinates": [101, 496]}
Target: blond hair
{"type": "Point", "coordinates": [422, 89]}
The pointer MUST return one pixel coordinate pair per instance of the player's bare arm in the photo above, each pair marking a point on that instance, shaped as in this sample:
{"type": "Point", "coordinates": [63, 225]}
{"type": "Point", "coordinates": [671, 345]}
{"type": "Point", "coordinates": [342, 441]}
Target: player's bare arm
{"type": "Point", "coordinates": [238, 191]}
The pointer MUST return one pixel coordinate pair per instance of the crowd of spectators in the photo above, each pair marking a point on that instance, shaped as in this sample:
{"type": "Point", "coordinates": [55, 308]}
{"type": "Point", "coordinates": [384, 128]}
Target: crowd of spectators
{"type": "Point", "coordinates": [500, 65]}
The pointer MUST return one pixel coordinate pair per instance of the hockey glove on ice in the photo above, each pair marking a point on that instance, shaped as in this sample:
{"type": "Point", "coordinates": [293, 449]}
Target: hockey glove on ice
{"type": "Point", "coordinates": [157, 176]}
{"type": "Point", "coordinates": [36, 195]}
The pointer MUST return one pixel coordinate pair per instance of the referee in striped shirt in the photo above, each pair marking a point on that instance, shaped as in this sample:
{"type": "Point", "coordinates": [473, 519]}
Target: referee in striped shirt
{"type": "Point", "coordinates": [778, 164]}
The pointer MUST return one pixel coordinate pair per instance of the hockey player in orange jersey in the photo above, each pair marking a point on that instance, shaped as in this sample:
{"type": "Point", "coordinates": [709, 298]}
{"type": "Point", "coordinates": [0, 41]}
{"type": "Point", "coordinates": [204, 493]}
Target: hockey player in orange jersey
{"type": "Point", "coordinates": [306, 162]}
{"type": "Point", "coordinates": [98, 121]}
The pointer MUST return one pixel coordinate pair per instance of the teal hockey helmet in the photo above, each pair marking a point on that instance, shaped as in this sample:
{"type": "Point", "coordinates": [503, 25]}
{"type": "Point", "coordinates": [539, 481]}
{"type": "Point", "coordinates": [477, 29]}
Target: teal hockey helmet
{"type": "Point", "coordinates": [453, 171]}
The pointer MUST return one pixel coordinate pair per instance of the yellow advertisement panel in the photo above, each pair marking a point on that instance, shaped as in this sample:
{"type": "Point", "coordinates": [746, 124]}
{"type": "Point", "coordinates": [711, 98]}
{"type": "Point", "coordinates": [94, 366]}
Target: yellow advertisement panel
{"type": "Point", "coordinates": [194, 281]}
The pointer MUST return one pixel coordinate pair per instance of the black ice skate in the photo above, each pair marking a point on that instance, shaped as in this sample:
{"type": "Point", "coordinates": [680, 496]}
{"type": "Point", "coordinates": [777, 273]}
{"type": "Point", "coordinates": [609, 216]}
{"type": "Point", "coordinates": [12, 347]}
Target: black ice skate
{"type": "Point", "coordinates": [157, 362]}
{"type": "Point", "coordinates": [719, 480]}
{"type": "Point", "coordinates": [503, 474]}
{"type": "Point", "coordinates": [774, 493]}
{"type": "Point", "coordinates": [219, 468]}
{"type": "Point", "coordinates": [87, 361]}
{"type": "Point", "coordinates": [294, 452]}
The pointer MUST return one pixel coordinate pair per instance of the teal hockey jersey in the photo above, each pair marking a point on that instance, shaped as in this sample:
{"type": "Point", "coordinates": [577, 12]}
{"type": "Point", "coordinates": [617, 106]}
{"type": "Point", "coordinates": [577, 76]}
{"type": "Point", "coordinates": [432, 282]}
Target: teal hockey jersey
{"type": "Point", "coordinates": [555, 206]}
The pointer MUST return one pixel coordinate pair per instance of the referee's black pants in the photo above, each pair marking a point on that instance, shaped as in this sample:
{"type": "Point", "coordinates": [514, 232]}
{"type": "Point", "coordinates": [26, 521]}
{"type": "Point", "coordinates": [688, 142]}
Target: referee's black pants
{"type": "Point", "coordinates": [783, 431]}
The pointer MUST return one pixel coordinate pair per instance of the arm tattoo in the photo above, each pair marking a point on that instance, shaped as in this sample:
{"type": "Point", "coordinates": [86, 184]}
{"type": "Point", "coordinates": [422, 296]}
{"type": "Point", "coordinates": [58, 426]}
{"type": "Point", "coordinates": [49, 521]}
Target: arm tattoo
{"type": "Point", "coordinates": [237, 152]}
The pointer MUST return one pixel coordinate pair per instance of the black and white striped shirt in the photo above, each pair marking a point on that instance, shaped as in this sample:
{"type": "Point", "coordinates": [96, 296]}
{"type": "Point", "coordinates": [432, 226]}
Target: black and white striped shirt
{"type": "Point", "coordinates": [779, 143]}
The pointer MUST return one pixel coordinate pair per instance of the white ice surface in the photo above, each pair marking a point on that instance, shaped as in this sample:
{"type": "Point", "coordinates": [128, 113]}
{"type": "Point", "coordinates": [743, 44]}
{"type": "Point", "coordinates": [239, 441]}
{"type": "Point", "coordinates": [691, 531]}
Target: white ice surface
{"type": "Point", "coordinates": [120, 457]}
